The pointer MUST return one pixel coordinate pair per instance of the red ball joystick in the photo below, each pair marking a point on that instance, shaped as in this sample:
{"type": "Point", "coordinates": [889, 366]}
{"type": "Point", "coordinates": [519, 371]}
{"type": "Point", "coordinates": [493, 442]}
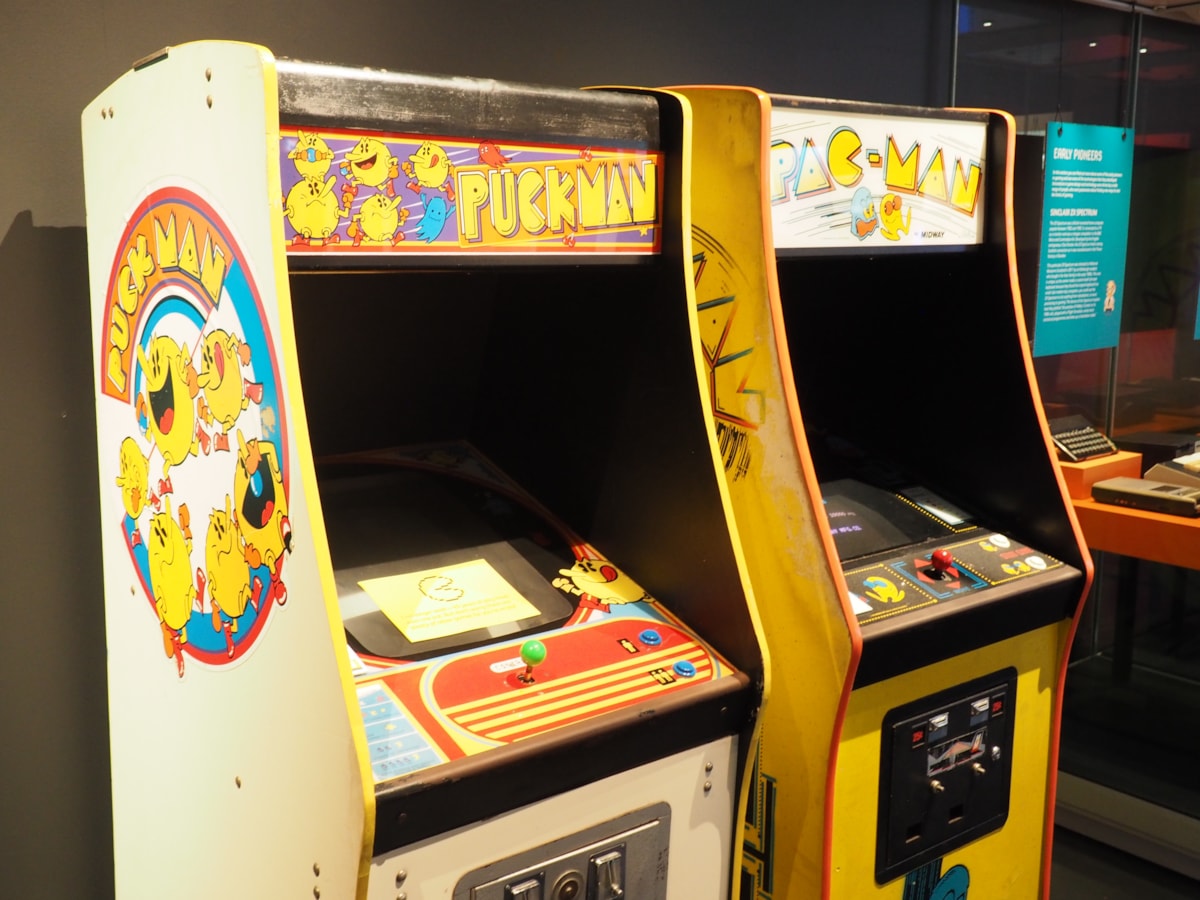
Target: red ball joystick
{"type": "Point", "coordinates": [941, 561]}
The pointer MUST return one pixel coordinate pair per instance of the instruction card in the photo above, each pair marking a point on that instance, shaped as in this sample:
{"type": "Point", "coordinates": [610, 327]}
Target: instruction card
{"type": "Point", "coordinates": [448, 600]}
{"type": "Point", "coordinates": [1085, 227]}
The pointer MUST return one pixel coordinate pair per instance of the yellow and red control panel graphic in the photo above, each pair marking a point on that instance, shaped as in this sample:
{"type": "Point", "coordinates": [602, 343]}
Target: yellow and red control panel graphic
{"type": "Point", "coordinates": [421, 714]}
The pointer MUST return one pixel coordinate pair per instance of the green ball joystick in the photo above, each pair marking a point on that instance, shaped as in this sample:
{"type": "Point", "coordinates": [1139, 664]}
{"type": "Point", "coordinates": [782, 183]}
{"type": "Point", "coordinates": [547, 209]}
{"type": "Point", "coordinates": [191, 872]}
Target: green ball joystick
{"type": "Point", "coordinates": [533, 653]}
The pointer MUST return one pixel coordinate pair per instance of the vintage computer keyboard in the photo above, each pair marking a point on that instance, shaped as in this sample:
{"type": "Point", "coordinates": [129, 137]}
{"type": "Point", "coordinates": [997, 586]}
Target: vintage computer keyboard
{"type": "Point", "coordinates": [1076, 439]}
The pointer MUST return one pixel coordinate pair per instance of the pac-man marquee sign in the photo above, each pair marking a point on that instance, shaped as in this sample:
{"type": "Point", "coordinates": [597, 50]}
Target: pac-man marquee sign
{"type": "Point", "coordinates": [847, 180]}
{"type": "Point", "coordinates": [354, 192]}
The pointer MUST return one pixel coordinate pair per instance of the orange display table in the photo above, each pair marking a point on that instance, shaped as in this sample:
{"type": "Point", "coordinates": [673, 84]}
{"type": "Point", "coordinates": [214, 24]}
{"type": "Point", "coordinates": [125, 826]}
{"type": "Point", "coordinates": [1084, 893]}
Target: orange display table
{"type": "Point", "coordinates": [1157, 537]}
{"type": "Point", "coordinates": [1136, 533]}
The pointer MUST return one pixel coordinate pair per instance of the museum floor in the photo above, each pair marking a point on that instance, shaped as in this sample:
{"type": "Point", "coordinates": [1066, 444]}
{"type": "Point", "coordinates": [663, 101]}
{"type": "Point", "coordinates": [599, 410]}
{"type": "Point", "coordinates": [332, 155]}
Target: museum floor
{"type": "Point", "coordinates": [1086, 870]}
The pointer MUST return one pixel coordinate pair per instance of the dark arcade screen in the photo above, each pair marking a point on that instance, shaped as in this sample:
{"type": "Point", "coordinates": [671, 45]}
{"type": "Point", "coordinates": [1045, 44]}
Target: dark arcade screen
{"type": "Point", "coordinates": [866, 520]}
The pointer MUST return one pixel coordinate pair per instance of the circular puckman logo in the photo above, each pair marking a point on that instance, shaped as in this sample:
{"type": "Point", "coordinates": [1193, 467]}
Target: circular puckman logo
{"type": "Point", "coordinates": [202, 451]}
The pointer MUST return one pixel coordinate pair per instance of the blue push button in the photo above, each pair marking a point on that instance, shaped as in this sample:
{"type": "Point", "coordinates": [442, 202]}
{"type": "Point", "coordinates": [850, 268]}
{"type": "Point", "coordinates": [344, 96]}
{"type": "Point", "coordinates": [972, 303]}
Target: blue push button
{"type": "Point", "coordinates": [650, 637]}
{"type": "Point", "coordinates": [684, 669]}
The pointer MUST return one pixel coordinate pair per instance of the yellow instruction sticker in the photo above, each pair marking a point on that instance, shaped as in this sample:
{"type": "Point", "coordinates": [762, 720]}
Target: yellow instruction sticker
{"type": "Point", "coordinates": [448, 600]}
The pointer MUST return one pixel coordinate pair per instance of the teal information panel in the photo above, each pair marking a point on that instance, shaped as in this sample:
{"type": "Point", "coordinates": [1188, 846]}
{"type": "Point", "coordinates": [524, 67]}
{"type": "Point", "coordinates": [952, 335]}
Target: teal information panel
{"type": "Point", "coordinates": [1085, 225]}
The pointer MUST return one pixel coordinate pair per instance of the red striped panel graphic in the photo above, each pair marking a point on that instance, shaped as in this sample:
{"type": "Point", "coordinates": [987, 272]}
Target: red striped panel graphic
{"type": "Point", "coordinates": [588, 671]}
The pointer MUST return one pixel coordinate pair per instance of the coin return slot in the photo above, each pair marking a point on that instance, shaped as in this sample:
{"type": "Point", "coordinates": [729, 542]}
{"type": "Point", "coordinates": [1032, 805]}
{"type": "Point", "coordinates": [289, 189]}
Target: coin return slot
{"type": "Point", "coordinates": [956, 813]}
{"type": "Point", "coordinates": [914, 833]}
{"type": "Point", "coordinates": [622, 859]}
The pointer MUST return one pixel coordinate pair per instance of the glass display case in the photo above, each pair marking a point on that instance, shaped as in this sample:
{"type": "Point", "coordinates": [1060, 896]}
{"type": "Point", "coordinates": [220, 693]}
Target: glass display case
{"type": "Point", "coordinates": [1131, 723]}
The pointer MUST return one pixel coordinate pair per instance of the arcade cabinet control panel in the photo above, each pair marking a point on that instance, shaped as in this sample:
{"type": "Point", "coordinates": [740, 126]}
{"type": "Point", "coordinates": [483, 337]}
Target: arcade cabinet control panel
{"type": "Point", "coordinates": [910, 550]}
{"type": "Point", "coordinates": [476, 620]}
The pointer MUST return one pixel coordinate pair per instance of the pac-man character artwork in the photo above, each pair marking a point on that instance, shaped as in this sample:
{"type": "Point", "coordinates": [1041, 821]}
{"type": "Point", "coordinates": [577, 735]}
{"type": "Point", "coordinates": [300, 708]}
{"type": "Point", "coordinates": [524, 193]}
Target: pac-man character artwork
{"type": "Point", "coordinates": [203, 468]}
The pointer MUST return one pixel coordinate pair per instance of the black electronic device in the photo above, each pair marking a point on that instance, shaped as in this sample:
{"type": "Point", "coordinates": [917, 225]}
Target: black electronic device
{"type": "Point", "coordinates": [1077, 439]}
{"type": "Point", "coordinates": [1156, 496]}
{"type": "Point", "coordinates": [1158, 446]}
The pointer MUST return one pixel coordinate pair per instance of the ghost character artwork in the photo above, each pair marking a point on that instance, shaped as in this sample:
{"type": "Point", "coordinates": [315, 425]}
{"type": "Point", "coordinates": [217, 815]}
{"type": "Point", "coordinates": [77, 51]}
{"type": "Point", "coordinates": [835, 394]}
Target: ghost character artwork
{"type": "Point", "coordinates": [434, 220]}
{"type": "Point", "coordinates": [187, 353]}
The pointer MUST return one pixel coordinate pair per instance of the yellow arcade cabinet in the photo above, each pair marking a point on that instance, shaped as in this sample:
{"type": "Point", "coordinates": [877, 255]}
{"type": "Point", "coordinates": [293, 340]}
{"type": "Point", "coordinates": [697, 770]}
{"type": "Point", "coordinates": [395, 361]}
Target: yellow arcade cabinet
{"type": "Point", "coordinates": [915, 559]}
{"type": "Point", "coordinates": [418, 567]}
